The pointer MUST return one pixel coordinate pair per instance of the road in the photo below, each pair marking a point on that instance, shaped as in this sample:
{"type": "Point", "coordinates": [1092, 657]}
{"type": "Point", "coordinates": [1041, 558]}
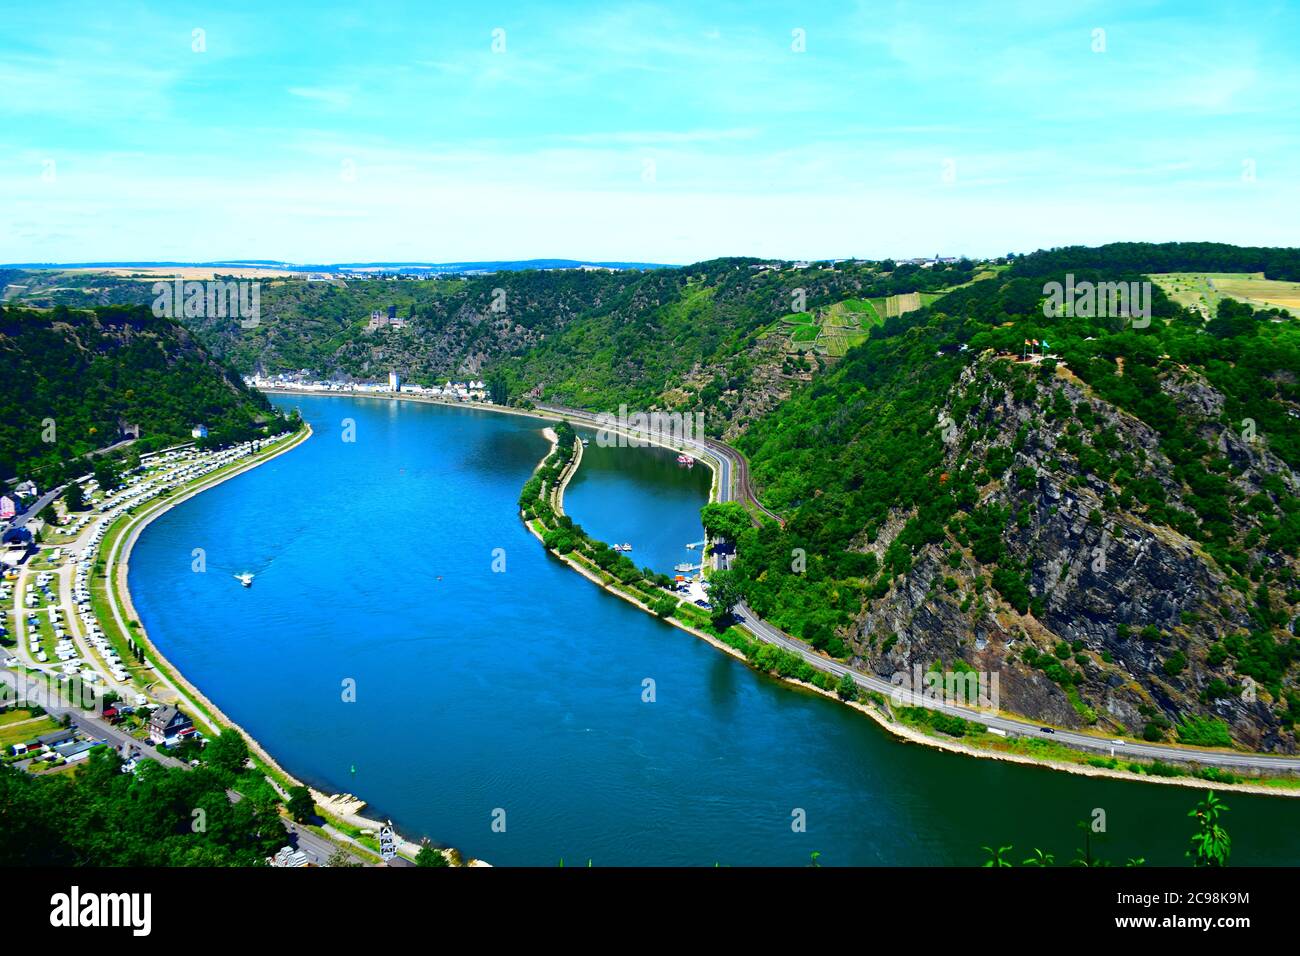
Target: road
{"type": "Point", "coordinates": [20, 521]}
{"type": "Point", "coordinates": [730, 460]}
{"type": "Point", "coordinates": [37, 692]}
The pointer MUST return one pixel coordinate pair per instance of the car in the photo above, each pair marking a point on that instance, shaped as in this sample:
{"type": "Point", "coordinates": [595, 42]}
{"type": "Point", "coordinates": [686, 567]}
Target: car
{"type": "Point", "coordinates": [11, 662]}
{"type": "Point", "coordinates": [1047, 730]}
{"type": "Point", "coordinates": [1118, 743]}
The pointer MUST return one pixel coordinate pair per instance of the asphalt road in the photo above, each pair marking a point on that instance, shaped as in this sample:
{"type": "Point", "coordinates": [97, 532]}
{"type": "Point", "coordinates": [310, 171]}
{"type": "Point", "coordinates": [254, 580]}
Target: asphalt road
{"type": "Point", "coordinates": [21, 520]}
{"type": "Point", "coordinates": [731, 461]}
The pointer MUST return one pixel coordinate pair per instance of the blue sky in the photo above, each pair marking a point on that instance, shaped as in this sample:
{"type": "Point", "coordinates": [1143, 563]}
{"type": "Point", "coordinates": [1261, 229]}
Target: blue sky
{"type": "Point", "coordinates": [641, 131]}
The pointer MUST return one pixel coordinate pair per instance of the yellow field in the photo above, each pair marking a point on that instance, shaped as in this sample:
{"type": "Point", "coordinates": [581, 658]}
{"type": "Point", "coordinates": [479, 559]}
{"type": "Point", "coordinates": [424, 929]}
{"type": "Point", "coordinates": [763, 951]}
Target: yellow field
{"type": "Point", "coordinates": [194, 272]}
{"type": "Point", "coordinates": [1203, 290]}
{"type": "Point", "coordinates": [902, 304]}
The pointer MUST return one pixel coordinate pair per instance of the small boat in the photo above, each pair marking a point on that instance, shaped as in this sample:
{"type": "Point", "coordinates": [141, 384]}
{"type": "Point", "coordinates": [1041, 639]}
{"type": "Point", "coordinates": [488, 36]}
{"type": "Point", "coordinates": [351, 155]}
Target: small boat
{"type": "Point", "coordinates": [686, 460]}
{"type": "Point", "coordinates": [627, 547]}
{"type": "Point", "coordinates": [246, 579]}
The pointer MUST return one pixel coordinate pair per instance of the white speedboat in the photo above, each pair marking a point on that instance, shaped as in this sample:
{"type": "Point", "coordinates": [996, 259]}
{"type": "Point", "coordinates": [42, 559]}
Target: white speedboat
{"type": "Point", "coordinates": [246, 579]}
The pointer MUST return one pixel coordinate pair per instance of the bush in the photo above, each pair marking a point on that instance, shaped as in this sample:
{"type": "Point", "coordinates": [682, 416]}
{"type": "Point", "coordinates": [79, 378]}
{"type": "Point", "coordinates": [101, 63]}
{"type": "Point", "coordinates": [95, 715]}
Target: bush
{"type": "Point", "coordinates": [1176, 663]}
{"type": "Point", "coordinates": [1204, 732]}
{"type": "Point", "coordinates": [664, 605]}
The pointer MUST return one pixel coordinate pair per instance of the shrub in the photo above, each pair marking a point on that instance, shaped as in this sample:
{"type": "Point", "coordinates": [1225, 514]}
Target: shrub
{"type": "Point", "coordinates": [1204, 732]}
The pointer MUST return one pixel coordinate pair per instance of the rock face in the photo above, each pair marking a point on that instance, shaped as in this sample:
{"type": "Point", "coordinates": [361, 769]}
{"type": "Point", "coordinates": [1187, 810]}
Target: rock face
{"type": "Point", "coordinates": [1126, 611]}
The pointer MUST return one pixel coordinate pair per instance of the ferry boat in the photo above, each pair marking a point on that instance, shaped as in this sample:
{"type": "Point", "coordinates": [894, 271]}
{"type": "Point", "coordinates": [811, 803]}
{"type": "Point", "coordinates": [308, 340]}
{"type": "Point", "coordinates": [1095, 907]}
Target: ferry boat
{"type": "Point", "coordinates": [686, 460]}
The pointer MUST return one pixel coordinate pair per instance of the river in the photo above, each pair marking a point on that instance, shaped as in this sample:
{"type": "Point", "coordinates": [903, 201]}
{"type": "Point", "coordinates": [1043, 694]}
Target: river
{"type": "Point", "coordinates": [516, 695]}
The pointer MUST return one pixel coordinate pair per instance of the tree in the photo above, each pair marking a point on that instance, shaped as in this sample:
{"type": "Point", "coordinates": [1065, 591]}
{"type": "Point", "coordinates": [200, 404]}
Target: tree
{"type": "Point", "coordinates": [339, 858]}
{"type": "Point", "coordinates": [726, 590]}
{"type": "Point", "coordinates": [664, 605]}
{"type": "Point", "coordinates": [725, 519]}
{"type": "Point", "coordinates": [847, 688]}
{"type": "Point", "coordinates": [74, 497]}
{"type": "Point", "coordinates": [105, 473]}
{"type": "Point", "coordinates": [300, 805]}
{"type": "Point", "coordinates": [429, 856]}
{"type": "Point", "coordinates": [61, 819]}
{"type": "Point", "coordinates": [227, 751]}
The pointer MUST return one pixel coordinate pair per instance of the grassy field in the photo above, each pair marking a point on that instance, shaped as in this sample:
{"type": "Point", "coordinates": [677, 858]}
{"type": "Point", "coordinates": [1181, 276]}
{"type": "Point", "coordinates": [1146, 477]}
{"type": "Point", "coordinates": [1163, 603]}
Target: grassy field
{"type": "Point", "coordinates": [835, 329]}
{"type": "Point", "coordinates": [19, 733]}
{"type": "Point", "coordinates": [1204, 290]}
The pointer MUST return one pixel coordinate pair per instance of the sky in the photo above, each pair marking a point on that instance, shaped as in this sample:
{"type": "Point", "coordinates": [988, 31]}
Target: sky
{"type": "Point", "coordinates": [323, 132]}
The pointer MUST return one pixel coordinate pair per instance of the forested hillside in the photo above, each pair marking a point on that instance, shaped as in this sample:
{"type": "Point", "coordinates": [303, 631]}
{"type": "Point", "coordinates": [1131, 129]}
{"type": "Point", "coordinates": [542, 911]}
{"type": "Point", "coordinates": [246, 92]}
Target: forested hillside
{"type": "Point", "coordinates": [1108, 518]}
{"type": "Point", "coordinates": [705, 337]}
{"type": "Point", "coordinates": [1149, 257]}
{"type": "Point", "coordinates": [1114, 531]}
{"type": "Point", "coordinates": [71, 380]}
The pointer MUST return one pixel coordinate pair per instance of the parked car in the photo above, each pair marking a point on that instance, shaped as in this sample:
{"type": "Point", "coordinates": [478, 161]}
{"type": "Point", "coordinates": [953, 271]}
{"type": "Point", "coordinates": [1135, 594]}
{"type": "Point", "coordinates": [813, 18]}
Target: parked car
{"type": "Point", "coordinates": [1047, 730]}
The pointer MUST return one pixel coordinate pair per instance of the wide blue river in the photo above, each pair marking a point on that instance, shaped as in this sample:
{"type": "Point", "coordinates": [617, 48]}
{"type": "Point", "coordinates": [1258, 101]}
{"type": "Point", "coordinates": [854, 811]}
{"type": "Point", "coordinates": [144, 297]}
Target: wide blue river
{"type": "Point", "coordinates": [480, 691]}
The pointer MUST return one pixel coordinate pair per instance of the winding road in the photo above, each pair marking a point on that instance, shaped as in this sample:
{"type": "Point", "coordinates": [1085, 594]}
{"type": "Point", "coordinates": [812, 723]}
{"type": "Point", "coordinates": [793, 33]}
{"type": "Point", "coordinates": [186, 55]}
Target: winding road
{"type": "Point", "coordinates": [731, 462]}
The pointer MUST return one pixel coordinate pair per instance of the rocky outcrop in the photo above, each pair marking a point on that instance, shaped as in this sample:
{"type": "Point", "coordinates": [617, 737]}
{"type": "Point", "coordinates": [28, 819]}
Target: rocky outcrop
{"type": "Point", "coordinates": [1125, 608]}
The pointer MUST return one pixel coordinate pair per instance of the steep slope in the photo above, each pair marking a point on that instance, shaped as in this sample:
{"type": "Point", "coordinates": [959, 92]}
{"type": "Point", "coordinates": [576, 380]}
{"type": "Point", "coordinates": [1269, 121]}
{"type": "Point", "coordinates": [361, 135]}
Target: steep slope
{"type": "Point", "coordinates": [705, 337]}
{"type": "Point", "coordinates": [71, 380]}
{"type": "Point", "coordinates": [1113, 534]}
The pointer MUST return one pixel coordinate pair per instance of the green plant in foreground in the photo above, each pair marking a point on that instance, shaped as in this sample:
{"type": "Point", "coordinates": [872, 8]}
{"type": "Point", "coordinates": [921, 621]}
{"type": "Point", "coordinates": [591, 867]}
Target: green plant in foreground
{"type": "Point", "coordinates": [1210, 843]}
{"type": "Point", "coordinates": [995, 856]}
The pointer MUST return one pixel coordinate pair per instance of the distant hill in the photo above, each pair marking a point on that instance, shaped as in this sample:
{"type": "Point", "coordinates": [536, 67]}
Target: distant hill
{"type": "Point", "coordinates": [79, 376]}
{"type": "Point", "coordinates": [736, 334]}
{"type": "Point", "coordinates": [492, 265]}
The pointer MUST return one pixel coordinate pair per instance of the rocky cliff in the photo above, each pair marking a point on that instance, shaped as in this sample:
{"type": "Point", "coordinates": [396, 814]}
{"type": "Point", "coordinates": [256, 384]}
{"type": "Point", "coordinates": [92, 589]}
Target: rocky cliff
{"type": "Point", "coordinates": [1080, 575]}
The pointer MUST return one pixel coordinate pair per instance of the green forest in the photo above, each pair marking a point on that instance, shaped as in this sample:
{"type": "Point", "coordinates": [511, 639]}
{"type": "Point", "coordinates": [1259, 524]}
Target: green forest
{"type": "Point", "coordinates": [71, 380]}
{"type": "Point", "coordinates": [863, 445]}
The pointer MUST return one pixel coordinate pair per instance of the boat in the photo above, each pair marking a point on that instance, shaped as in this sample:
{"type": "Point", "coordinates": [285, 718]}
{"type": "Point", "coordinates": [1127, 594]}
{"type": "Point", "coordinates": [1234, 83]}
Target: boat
{"type": "Point", "coordinates": [627, 547]}
{"type": "Point", "coordinates": [246, 579]}
{"type": "Point", "coordinates": [686, 460]}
